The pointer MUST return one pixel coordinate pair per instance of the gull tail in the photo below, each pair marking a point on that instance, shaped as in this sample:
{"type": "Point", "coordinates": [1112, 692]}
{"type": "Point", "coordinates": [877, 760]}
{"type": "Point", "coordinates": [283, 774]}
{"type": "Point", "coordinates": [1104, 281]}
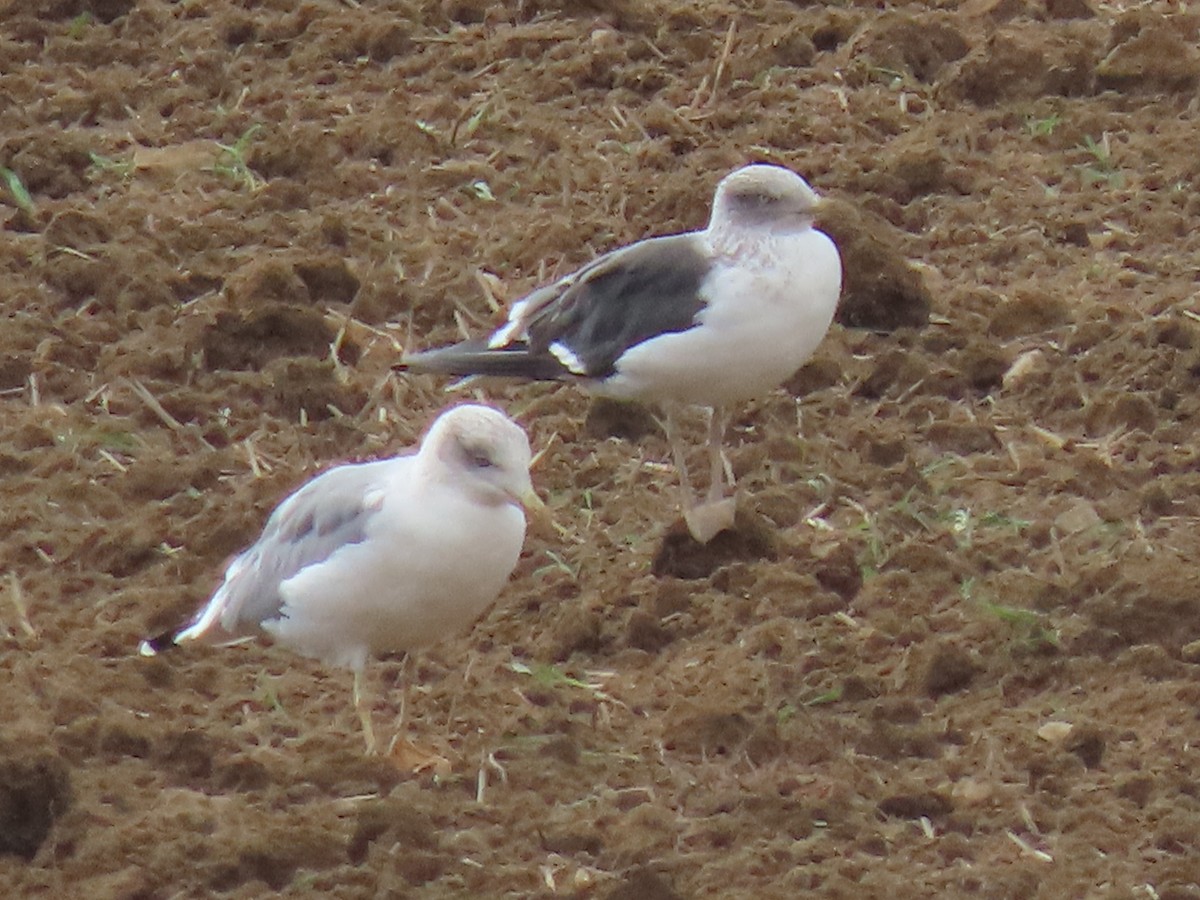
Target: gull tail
{"type": "Point", "coordinates": [201, 631]}
{"type": "Point", "coordinates": [477, 358]}
{"type": "Point", "coordinates": [159, 643]}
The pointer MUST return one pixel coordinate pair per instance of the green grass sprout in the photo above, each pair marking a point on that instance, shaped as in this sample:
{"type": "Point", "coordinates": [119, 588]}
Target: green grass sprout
{"type": "Point", "coordinates": [1043, 127]}
{"type": "Point", "coordinates": [120, 167]}
{"type": "Point", "coordinates": [17, 190]}
{"type": "Point", "coordinates": [1102, 169]}
{"type": "Point", "coordinates": [1031, 631]}
{"type": "Point", "coordinates": [548, 676]}
{"type": "Point", "coordinates": [232, 162]}
{"type": "Point", "coordinates": [833, 695]}
{"type": "Point", "coordinates": [79, 26]}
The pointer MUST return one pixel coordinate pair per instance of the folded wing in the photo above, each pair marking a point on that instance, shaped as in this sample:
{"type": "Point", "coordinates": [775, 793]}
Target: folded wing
{"type": "Point", "coordinates": [330, 512]}
{"type": "Point", "coordinates": [580, 325]}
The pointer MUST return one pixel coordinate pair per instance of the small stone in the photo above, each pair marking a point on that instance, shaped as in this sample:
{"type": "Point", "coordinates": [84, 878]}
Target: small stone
{"type": "Point", "coordinates": [1023, 366]}
{"type": "Point", "coordinates": [1079, 516]}
{"type": "Point", "coordinates": [1055, 732]}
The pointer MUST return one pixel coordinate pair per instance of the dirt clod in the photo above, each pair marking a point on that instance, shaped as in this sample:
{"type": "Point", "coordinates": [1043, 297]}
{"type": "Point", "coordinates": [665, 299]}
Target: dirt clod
{"type": "Point", "coordinates": [1088, 743]}
{"type": "Point", "coordinates": [915, 806]}
{"type": "Point", "coordinates": [881, 290]}
{"type": "Point", "coordinates": [35, 789]}
{"type": "Point", "coordinates": [611, 418]}
{"type": "Point", "coordinates": [950, 669]}
{"type": "Point", "coordinates": [681, 556]}
{"type": "Point", "coordinates": [643, 884]}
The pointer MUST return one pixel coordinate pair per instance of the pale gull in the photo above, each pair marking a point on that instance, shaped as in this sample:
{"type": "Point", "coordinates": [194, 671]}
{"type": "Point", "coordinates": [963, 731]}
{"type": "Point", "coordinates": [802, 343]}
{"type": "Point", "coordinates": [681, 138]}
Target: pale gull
{"type": "Point", "coordinates": [708, 318]}
{"type": "Point", "coordinates": [385, 556]}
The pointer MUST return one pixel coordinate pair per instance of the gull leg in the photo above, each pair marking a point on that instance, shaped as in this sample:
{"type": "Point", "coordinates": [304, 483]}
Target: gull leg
{"type": "Point", "coordinates": [406, 665]}
{"type": "Point", "coordinates": [406, 675]}
{"type": "Point", "coordinates": [678, 457]}
{"type": "Point", "coordinates": [458, 691]}
{"type": "Point", "coordinates": [364, 712]}
{"type": "Point", "coordinates": [401, 751]}
{"type": "Point", "coordinates": [704, 520]}
{"type": "Point", "coordinates": [717, 512]}
{"type": "Point", "coordinates": [720, 473]}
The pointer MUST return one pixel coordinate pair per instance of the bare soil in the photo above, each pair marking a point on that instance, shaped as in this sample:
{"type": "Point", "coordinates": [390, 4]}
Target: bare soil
{"type": "Point", "coordinates": [953, 647]}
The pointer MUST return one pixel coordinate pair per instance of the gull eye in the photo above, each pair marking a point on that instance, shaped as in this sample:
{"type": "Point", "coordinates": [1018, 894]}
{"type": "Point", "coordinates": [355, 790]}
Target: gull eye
{"type": "Point", "coordinates": [480, 460]}
{"type": "Point", "coordinates": [758, 200]}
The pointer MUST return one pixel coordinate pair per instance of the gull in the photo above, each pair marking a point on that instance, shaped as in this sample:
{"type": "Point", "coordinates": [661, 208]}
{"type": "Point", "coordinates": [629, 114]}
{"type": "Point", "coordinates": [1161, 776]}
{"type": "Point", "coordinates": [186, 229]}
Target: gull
{"type": "Point", "coordinates": [384, 556]}
{"type": "Point", "coordinates": [707, 318]}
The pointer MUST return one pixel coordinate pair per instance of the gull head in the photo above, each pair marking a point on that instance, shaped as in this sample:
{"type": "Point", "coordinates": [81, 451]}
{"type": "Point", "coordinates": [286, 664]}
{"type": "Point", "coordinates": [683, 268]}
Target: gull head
{"type": "Point", "coordinates": [486, 453]}
{"type": "Point", "coordinates": [764, 196]}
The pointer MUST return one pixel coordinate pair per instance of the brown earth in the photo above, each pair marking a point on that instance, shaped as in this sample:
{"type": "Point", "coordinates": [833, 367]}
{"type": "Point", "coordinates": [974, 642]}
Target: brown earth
{"type": "Point", "coordinates": [953, 648]}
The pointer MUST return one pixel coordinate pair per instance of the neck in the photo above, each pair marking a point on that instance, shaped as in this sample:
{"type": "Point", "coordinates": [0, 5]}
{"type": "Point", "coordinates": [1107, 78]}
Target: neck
{"type": "Point", "coordinates": [743, 237]}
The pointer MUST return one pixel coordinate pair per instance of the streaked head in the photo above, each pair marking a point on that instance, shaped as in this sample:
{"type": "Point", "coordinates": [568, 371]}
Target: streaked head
{"type": "Point", "coordinates": [486, 453]}
{"type": "Point", "coordinates": [764, 195]}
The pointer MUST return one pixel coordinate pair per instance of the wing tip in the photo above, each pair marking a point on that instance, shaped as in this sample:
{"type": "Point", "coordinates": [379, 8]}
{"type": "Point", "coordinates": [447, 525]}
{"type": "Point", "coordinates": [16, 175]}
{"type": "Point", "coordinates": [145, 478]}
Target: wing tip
{"type": "Point", "coordinates": [476, 358]}
{"type": "Point", "coordinates": [440, 360]}
{"type": "Point", "coordinates": [153, 646]}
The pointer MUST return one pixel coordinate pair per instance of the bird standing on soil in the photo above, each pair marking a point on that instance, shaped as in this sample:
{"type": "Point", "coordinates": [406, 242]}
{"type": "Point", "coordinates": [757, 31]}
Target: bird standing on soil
{"type": "Point", "coordinates": [706, 318]}
{"type": "Point", "coordinates": [383, 556]}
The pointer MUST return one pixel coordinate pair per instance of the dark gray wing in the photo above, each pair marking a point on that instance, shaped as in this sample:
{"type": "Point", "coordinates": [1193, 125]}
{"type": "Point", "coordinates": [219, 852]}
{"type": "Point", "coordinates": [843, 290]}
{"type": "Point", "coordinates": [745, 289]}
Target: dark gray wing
{"type": "Point", "coordinates": [596, 313]}
{"type": "Point", "coordinates": [621, 300]}
{"type": "Point", "coordinates": [328, 513]}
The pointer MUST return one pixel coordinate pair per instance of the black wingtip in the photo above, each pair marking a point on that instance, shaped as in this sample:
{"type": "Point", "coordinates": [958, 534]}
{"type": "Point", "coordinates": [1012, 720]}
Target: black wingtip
{"type": "Point", "coordinates": [156, 645]}
{"type": "Point", "coordinates": [477, 358]}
